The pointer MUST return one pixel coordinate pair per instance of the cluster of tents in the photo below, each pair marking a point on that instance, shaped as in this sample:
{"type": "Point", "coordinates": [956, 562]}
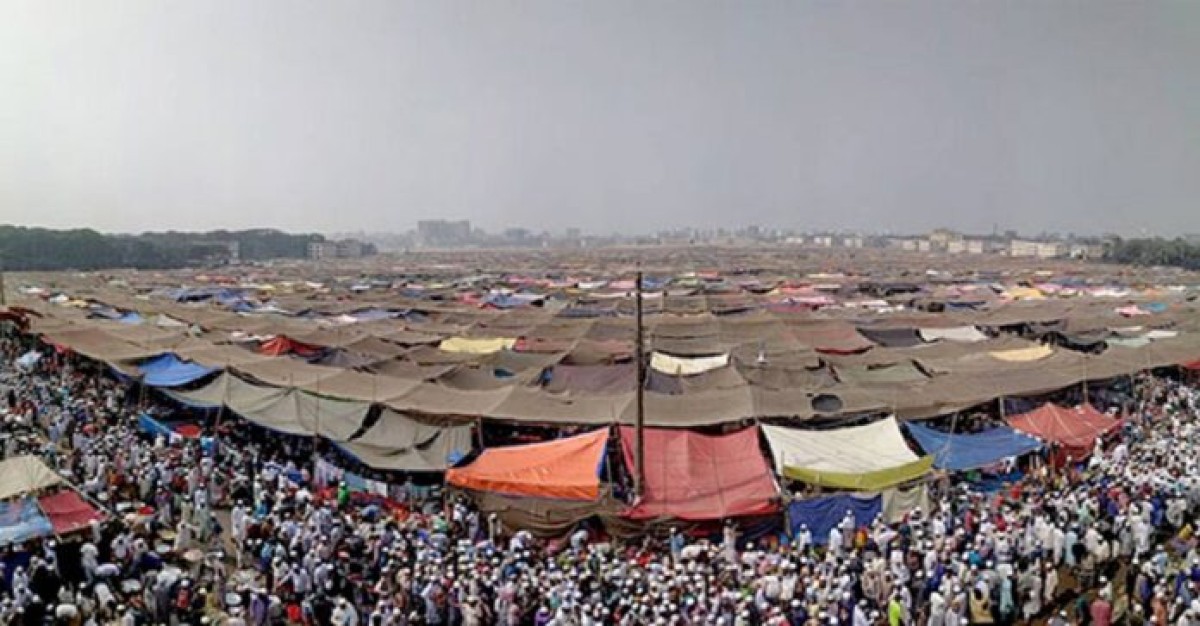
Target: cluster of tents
{"type": "Point", "coordinates": [694, 477]}
{"type": "Point", "coordinates": [36, 502]}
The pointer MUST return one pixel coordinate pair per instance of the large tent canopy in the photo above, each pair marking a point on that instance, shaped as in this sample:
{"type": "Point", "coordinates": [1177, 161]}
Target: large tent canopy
{"type": "Point", "coordinates": [695, 477]}
{"type": "Point", "coordinates": [25, 474]}
{"type": "Point", "coordinates": [869, 457]}
{"type": "Point", "coordinates": [959, 452]}
{"type": "Point", "coordinates": [567, 469]}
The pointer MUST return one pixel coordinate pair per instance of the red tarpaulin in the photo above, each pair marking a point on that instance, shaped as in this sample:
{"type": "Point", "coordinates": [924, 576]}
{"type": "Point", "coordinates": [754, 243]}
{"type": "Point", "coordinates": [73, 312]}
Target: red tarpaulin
{"type": "Point", "coordinates": [281, 345]}
{"type": "Point", "coordinates": [68, 512]}
{"type": "Point", "coordinates": [1071, 428]}
{"type": "Point", "coordinates": [567, 469]}
{"type": "Point", "coordinates": [1194, 365]}
{"type": "Point", "coordinates": [697, 477]}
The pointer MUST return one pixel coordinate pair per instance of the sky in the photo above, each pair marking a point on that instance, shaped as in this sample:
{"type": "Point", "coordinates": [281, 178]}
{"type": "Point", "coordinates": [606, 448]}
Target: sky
{"type": "Point", "coordinates": [608, 115]}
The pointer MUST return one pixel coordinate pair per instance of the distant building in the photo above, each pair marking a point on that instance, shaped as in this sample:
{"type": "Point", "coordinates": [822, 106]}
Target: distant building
{"type": "Point", "coordinates": [344, 249]}
{"type": "Point", "coordinates": [852, 242]}
{"type": "Point", "coordinates": [322, 250]}
{"type": "Point", "coordinates": [941, 239]}
{"type": "Point", "coordinates": [1037, 249]}
{"type": "Point", "coordinates": [823, 241]}
{"type": "Point", "coordinates": [444, 232]}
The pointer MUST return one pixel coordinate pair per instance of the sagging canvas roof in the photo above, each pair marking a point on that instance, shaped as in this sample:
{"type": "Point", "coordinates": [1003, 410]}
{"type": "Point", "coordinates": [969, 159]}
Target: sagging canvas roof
{"type": "Point", "coordinates": [567, 469]}
{"type": "Point", "coordinates": [1071, 427]}
{"type": "Point", "coordinates": [696, 477]}
{"type": "Point", "coordinates": [960, 452]}
{"type": "Point", "coordinates": [20, 475]}
{"type": "Point", "coordinates": [286, 410]}
{"type": "Point", "coordinates": [873, 456]}
{"type": "Point", "coordinates": [399, 442]}
{"type": "Point", "coordinates": [168, 370]}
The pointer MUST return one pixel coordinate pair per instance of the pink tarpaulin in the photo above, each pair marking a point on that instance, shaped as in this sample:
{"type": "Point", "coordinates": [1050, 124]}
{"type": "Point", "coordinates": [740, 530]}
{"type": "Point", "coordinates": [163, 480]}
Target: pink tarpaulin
{"type": "Point", "coordinates": [1075, 428]}
{"type": "Point", "coordinates": [697, 477]}
{"type": "Point", "coordinates": [68, 512]}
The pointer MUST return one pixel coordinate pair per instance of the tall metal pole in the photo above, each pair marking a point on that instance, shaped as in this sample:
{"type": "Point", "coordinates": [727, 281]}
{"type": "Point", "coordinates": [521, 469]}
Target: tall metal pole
{"type": "Point", "coordinates": [639, 480]}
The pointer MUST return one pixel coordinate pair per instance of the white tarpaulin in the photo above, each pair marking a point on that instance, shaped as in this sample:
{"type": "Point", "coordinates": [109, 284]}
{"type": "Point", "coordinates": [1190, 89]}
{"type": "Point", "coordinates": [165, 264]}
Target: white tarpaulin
{"type": "Point", "coordinates": [963, 334]}
{"type": "Point", "coordinates": [25, 474]}
{"type": "Point", "coordinates": [855, 450]}
{"type": "Point", "coordinates": [687, 366]}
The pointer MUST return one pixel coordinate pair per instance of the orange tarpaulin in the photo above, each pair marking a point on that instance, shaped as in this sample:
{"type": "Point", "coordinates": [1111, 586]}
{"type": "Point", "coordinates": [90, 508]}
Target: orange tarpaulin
{"type": "Point", "coordinates": [567, 469]}
{"type": "Point", "coordinates": [697, 477]}
{"type": "Point", "coordinates": [1071, 428]}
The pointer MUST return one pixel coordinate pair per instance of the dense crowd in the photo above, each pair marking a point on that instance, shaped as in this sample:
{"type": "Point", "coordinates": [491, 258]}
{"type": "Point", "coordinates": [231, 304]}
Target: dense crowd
{"type": "Point", "coordinates": [238, 534]}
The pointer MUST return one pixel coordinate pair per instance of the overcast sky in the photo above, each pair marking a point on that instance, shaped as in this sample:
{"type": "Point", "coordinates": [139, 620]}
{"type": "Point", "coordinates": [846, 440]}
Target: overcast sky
{"type": "Point", "coordinates": [605, 115]}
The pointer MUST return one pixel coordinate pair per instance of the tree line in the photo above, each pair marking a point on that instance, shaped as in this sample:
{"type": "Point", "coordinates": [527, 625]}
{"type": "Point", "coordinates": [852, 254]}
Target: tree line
{"type": "Point", "coordinates": [1177, 252]}
{"type": "Point", "coordinates": [43, 249]}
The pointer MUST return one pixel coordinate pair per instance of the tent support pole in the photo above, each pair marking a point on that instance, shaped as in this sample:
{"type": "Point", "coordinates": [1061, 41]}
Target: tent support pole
{"type": "Point", "coordinates": [639, 478]}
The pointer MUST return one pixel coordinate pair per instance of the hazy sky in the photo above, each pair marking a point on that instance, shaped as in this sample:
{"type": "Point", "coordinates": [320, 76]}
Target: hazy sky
{"type": "Point", "coordinates": [345, 115]}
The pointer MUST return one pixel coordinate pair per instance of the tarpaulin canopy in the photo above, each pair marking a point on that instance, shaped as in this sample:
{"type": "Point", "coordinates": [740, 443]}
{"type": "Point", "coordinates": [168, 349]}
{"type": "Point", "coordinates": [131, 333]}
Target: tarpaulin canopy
{"type": "Point", "coordinates": [697, 477]}
{"type": "Point", "coordinates": [168, 370]}
{"type": "Point", "coordinates": [1073, 428]}
{"type": "Point", "coordinates": [476, 345]}
{"type": "Point", "coordinates": [820, 515]}
{"type": "Point", "coordinates": [1023, 355]}
{"type": "Point", "coordinates": [21, 521]}
{"type": "Point", "coordinates": [869, 457]}
{"type": "Point", "coordinates": [20, 475]}
{"type": "Point", "coordinates": [282, 345]}
{"type": "Point", "coordinates": [68, 512]}
{"type": "Point", "coordinates": [686, 366]}
{"type": "Point", "coordinates": [964, 334]}
{"type": "Point", "coordinates": [861, 481]}
{"type": "Point", "coordinates": [892, 337]}
{"type": "Point", "coordinates": [399, 442]}
{"type": "Point", "coordinates": [960, 452]}
{"type": "Point", "coordinates": [567, 469]}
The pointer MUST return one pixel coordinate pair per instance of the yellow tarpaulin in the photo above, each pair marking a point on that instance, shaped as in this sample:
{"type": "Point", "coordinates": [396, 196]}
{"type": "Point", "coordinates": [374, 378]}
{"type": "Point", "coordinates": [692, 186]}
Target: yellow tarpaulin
{"type": "Point", "coordinates": [1025, 293]}
{"type": "Point", "coordinates": [477, 346]}
{"type": "Point", "coordinates": [866, 481]}
{"type": "Point", "coordinates": [1023, 355]}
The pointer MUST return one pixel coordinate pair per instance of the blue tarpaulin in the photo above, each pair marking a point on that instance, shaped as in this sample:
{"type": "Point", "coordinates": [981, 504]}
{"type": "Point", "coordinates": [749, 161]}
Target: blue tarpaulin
{"type": "Point", "coordinates": [975, 450]}
{"type": "Point", "coordinates": [154, 428]}
{"type": "Point", "coordinates": [822, 514]}
{"type": "Point", "coordinates": [21, 520]}
{"type": "Point", "coordinates": [167, 370]}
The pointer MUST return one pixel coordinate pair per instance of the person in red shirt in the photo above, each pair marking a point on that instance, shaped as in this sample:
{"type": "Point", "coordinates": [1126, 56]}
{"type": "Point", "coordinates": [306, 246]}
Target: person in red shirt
{"type": "Point", "coordinates": [1101, 610]}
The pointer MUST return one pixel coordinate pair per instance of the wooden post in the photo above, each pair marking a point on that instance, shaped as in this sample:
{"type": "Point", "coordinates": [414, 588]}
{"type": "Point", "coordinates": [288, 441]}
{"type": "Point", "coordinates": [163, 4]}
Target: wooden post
{"type": "Point", "coordinates": [639, 479]}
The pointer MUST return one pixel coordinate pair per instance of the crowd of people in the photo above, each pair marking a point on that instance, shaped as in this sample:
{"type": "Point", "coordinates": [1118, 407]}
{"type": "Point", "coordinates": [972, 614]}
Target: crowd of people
{"type": "Point", "coordinates": [238, 534]}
